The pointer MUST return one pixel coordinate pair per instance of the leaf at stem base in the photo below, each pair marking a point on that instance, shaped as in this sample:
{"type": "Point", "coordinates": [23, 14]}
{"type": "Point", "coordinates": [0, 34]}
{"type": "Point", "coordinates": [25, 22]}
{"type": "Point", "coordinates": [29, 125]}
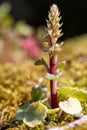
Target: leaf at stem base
{"type": "Point", "coordinates": [36, 113]}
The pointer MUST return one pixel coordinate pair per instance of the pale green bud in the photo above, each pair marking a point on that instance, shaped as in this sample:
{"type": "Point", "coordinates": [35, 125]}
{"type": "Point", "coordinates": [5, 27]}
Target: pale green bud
{"type": "Point", "coordinates": [53, 24]}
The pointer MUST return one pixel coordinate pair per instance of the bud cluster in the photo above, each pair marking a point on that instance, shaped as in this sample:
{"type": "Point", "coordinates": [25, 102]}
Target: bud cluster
{"type": "Point", "coordinates": [53, 24]}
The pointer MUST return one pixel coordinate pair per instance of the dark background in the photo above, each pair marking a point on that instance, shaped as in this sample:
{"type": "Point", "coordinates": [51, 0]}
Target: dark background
{"type": "Point", "coordinates": [34, 12]}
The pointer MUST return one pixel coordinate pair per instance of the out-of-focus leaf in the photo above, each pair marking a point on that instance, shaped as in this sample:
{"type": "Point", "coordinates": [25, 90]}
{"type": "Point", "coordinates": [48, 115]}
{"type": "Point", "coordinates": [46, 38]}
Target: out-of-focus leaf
{"type": "Point", "coordinates": [66, 92]}
{"type": "Point", "coordinates": [61, 64]}
{"type": "Point", "coordinates": [23, 29]}
{"type": "Point", "coordinates": [4, 9]}
{"type": "Point", "coordinates": [41, 62]}
{"type": "Point", "coordinates": [35, 114]}
{"type": "Point", "coordinates": [53, 76]}
{"type": "Point", "coordinates": [22, 110]}
{"type": "Point", "coordinates": [38, 93]}
{"type": "Point", "coordinates": [71, 106]}
{"type": "Point", "coordinates": [53, 111]}
{"type": "Point", "coordinates": [50, 76]}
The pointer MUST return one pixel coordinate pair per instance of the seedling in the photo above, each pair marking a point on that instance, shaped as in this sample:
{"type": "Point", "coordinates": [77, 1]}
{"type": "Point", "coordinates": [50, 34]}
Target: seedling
{"type": "Point", "coordinates": [35, 111]}
{"type": "Point", "coordinates": [53, 47]}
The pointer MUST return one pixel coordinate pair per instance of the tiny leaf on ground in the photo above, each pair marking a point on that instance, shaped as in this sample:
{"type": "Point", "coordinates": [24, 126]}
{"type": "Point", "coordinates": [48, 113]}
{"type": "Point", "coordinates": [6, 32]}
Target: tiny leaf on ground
{"type": "Point", "coordinates": [66, 92]}
{"type": "Point", "coordinates": [22, 110]}
{"type": "Point", "coordinates": [36, 113]}
{"type": "Point", "coordinates": [71, 106]}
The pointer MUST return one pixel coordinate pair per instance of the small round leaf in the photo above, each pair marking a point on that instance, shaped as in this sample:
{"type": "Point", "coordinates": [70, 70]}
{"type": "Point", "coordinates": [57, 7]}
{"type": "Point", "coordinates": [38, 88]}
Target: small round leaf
{"type": "Point", "coordinates": [22, 110]}
{"type": "Point", "coordinates": [36, 113]}
{"type": "Point", "coordinates": [71, 106]}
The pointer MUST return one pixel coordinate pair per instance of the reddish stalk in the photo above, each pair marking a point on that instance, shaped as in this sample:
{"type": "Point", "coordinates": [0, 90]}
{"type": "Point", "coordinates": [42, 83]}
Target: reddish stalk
{"type": "Point", "coordinates": [53, 33]}
{"type": "Point", "coordinates": [53, 83]}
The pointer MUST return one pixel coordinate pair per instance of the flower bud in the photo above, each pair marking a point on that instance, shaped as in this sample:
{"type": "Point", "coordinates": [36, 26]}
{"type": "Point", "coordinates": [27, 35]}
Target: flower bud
{"type": "Point", "coordinates": [53, 24]}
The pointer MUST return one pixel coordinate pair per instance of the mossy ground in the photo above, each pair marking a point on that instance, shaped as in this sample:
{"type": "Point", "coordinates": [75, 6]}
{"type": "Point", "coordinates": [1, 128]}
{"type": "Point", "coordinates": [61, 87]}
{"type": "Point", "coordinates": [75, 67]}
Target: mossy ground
{"type": "Point", "coordinates": [17, 79]}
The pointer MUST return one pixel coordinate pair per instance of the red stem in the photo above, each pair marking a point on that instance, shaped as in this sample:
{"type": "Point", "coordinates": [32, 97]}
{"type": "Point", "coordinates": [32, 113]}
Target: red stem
{"type": "Point", "coordinates": [53, 83]}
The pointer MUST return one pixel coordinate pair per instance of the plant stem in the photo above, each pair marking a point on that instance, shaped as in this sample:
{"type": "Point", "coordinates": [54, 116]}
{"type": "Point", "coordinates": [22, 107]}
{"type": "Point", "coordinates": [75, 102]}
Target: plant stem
{"type": "Point", "coordinates": [54, 32]}
{"type": "Point", "coordinates": [53, 83]}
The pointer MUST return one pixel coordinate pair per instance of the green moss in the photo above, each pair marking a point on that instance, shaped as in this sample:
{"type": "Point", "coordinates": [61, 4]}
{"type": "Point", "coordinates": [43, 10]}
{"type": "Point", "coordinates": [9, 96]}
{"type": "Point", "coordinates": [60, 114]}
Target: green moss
{"type": "Point", "coordinates": [16, 81]}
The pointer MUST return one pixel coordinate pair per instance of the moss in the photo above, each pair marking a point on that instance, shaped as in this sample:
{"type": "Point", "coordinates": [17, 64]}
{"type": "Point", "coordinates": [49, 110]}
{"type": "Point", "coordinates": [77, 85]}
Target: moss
{"type": "Point", "coordinates": [17, 79]}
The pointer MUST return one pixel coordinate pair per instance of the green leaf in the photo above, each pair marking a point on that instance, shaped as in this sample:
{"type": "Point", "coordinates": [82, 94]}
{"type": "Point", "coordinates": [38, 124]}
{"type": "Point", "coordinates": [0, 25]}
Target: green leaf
{"type": "Point", "coordinates": [41, 62]}
{"type": "Point", "coordinates": [53, 111]}
{"type": "Point", "coordinates": [61, 64]}
{"type": "Point", "coordinates": [66, 92]}
{"type": "Point", "coordinates": [22, 28]}
{"type": "Point", "coordinates": [35, 114]}
{"type": "Point", "coordinates": [4, 9]}
{"type": "Point", "coordinates": [50, 76]}
{"type": "Point", "coordinates": [22, 110]}
{"type": "Point", "coordinates": [53, 76]}
{"type": "Point", "coordinates": [38, 93]}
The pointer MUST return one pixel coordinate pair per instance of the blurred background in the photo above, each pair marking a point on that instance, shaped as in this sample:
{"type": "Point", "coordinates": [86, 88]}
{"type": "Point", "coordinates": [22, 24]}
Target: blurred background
{"type": "Point", "coordinates": [21, 43]}
{"type": "Point", "coordinates": [74, 13]}
{"type": "Point", "coordinates": [22, 26]}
